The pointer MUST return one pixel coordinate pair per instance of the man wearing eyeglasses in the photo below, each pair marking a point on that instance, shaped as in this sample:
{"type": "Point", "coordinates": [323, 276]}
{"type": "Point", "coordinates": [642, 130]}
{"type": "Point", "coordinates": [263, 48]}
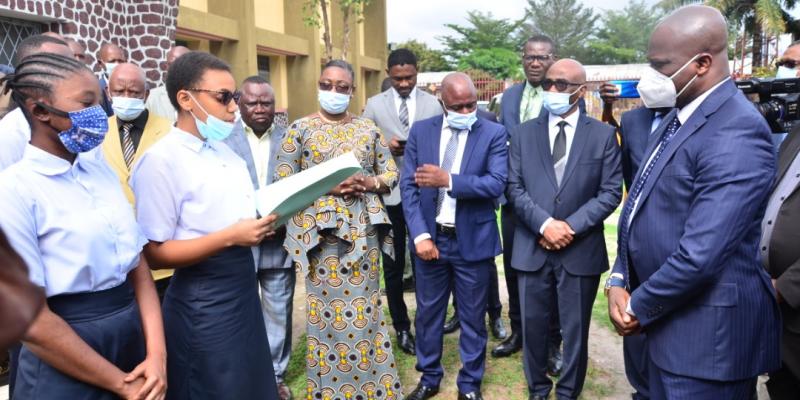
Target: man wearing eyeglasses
{"type": "Point", "coordinates": [256, 139]}
{"type": "Point", "coordinates": [564, 179]}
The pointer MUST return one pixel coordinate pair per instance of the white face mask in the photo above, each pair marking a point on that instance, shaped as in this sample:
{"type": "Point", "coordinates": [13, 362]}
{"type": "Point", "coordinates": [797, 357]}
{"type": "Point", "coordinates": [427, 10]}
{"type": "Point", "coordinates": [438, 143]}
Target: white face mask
{"type": "Point", "coordinates": [658, 90]}
{"type": "Point", "coordinates": [785, 73]}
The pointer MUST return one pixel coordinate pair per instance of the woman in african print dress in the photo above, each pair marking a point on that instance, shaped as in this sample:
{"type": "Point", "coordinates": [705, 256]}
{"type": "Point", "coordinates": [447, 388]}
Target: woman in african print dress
{"type": "Point", "coordinates": [337, 242]}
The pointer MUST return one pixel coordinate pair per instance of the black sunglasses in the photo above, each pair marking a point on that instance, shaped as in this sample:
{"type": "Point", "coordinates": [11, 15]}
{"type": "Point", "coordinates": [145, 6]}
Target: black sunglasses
{"type": "Point", "coordinates": [535, 57]}
{"type": "Point", "coordinates": [227, 95]}
{"type": "Point", "coordinates": [560, 84]}
{"type": "Point", "coordinates": [787, 63]}
{"type": "Point", "coordinates": [341, 89]}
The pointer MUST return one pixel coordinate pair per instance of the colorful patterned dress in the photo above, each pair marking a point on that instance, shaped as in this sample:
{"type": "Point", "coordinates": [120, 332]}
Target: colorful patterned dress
{"type": "Point", "coordinates": [338, 243]}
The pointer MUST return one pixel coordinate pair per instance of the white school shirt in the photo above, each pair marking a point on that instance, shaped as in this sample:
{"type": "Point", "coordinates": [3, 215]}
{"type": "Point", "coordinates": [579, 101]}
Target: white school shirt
{"type": "Point", "coordinates": [15, 133]}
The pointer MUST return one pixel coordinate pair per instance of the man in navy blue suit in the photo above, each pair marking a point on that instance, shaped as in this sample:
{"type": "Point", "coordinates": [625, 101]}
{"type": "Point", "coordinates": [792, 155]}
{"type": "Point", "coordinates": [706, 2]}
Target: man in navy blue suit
{"type": "Point", "coordinates": [688, 272]}
{"type": "Point", "coordinates": [454, 169]}
{"type": "Point", "coordinates": [564, 181]}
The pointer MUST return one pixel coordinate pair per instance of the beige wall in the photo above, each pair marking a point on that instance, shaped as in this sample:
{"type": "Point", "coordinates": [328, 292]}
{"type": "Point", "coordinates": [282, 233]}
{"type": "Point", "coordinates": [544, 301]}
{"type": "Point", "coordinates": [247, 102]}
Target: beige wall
{"type": "Point", "coordinates": [269, 14]}
{"type": "Point", "coordinates": [201, 5]}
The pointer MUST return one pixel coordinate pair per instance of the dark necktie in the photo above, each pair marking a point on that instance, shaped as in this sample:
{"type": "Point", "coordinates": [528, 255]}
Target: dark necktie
{"type": "Point", "coordinates": [127, 144]}
{"type": "Point", "coordinates": [560, 151]}
{"type": "Point", "coordinates": [404, 113]}
{"type": "Point", "coordinates": [447, 163]}
{"type": "Point", "coordinates": [638, 185]}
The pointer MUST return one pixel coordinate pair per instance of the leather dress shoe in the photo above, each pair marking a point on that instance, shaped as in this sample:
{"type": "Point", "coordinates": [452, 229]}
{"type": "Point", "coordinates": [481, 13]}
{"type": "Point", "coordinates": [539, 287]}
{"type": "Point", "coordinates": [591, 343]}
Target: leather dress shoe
{"type": "Point", "coordinates": [498, 329]}
{"type": "Point", "coordinates": [536, 397]}
{"type": "Point", "coordinates": [405, 340]}
{"type": "Point", "coordinates": [422, 392]}
{"type": "Point", "coordinates": [452, 325]}
{"type": "Point", "coordinates": [509, 346]}
{"type": "Point", "coordinates": [470, 396]}
{"type": "Point", "coordinates": [555, 363]}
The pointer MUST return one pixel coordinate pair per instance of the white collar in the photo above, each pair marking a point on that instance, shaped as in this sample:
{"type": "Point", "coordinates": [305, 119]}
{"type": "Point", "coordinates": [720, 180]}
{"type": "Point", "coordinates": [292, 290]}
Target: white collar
{"type": "Point", "coordinates": [689, 109]}
{"type": "Point", "coordinates": [572, 119]}
{"type": "Point", "coordinates": [412, 95]}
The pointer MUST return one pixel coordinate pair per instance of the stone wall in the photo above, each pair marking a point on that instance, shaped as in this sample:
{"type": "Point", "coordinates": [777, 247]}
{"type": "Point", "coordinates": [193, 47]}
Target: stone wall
{"type": "Point", "coordinates": [144, 28]}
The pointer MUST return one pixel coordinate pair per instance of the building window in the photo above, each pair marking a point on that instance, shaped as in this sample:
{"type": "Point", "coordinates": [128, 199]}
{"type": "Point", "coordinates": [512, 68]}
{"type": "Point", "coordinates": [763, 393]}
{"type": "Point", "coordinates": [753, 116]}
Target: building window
{"type": "Point", "coordinates": [263, 67]}
{"type": "Point", "coordinates": [12, 32]}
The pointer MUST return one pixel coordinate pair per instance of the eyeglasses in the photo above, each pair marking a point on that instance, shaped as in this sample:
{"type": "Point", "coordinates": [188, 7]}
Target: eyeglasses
{"type": "Point", "coordinates": [560, 84]}
{"type": "Point", "coordinates": [227, 95]}
{"type": "Point", "coordinates": [787, 63]}
{"type": "Point", "coordinates": [537, 57]}
{"type": "Point", "coordinates": [342, 89]}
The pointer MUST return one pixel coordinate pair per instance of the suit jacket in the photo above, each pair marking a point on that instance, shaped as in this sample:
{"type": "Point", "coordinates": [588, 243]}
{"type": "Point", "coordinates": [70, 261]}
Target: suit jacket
{"type": "Point", "coordinates": [481, 179]}
{"type": "Point", "coordinates": [105, 102]}
{"type": "Point", "coordinates": [155, 129]}
{"type": "Point", "coordinates": [381, 110]}
{"type": "Point", "coordinates": [635, 133]}
{"type": "Point", "coordinates": [784, 252]}
{"type": "Point", "coordinates": [271, 252]}
{"type": "Point", "coordinates": [705, 302]}
{"type": "Point", "coordinates": [590, 191]}
{"type": "Point", "coordinates": [512, 100]}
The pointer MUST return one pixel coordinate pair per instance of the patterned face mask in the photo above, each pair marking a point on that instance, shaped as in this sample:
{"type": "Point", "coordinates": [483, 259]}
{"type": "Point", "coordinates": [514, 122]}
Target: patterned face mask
{"type": "Point", "coordinates": [89, 127]}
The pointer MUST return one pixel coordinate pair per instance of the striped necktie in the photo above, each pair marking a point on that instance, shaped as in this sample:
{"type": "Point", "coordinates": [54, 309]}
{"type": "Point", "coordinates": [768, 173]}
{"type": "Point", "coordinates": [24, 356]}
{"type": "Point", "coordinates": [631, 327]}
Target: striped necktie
{"type": "Point", "coordinates": [447, 163]}
{"type": "Point", "coordinates": [127, 144]}
{"type": "Point", "coordinates": [404, 113]}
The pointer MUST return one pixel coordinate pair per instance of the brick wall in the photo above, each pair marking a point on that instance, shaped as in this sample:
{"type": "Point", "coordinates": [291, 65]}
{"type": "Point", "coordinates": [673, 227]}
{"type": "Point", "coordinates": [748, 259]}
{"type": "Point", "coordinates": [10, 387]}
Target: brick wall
{"type": "Point", "coordinates": [144, 28]}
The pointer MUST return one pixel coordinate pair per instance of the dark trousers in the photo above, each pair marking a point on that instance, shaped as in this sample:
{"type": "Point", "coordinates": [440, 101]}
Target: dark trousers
{"type": "Point", "coordinates": [393, 270]}
{"type": "Point", "coordinates": [575, 295]}
{"type": "Point", "coordinates": [494, 307]}
{"type": "Point", "coordinates": [668, 386]}
{"type": "Point", "coordinates": [13, 363]}
{"type": "Point", "coordinates": [784, 384]}
{"type": "Point", "coordinates": [509, 222]}
{"type": "Point", "coordinates": [435, 280]}
{"type": "Point", "coordinates": [637, 359]}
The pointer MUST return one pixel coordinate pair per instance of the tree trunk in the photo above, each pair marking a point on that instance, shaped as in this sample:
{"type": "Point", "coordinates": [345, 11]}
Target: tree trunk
{"type": "Point", "coordinates": [326, 32]}
{"type": "Point", "coordinates": [758, 46]}
{"type": "Point", "coordinates": [345, 30]}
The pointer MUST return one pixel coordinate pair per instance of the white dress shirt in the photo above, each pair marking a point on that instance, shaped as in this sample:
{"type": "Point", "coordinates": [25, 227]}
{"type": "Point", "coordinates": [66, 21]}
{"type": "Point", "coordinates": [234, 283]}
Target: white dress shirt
{"type": "Point", "coordinates": [15, 133]}
{"type": "Point", "coordinates": [186, 188]}
{"type": "Point", "coordinates": [70, 222]}
{"type": "Point", "coordinates": [260, 147]}
{"type": "Point", "coordinates": [411, 104]}
{"type": "Point", "coordinates": [569, 131]}
{"type": "Point", "coordinates": [447, 215]}
{"type": "Point", "coordinates": [158, 103]}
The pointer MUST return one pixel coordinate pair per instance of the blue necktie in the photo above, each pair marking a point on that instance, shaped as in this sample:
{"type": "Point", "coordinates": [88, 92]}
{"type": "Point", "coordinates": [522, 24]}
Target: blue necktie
{"type": "Point", "coordinates": [634, 194]}
{"type": "Point", "coordinates": [447, 163]}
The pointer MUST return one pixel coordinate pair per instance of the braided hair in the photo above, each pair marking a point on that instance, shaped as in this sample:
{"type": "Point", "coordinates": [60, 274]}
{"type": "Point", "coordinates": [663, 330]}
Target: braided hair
{"type": "Point", "coordinates": [36, 75]}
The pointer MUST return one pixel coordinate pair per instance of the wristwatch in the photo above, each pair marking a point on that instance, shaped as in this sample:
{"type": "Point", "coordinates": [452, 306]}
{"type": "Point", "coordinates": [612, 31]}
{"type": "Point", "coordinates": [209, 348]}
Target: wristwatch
{"type": "Point", "coordinates": [614, 280]}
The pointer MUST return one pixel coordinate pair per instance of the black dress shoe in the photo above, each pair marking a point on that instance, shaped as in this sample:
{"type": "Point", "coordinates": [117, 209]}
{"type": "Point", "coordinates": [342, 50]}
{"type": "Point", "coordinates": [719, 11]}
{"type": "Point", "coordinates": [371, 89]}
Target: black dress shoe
{"type": "Point", "coordinates": [555, 362]}
{"type": "Point", "coordinates": [422, 392]}
{"type": "Point", "coordinates": [498, 329]}
{"type": "Point", "coordinates": [509, 346]}
{"type": "Point", "coordinates": [405, 340]}
{"type": "Point", "coordinates": [536, 397]}
{"type": "Point", "coordinates": [470, 396]}
{"type": "Point", "coordinates": [452, 325]}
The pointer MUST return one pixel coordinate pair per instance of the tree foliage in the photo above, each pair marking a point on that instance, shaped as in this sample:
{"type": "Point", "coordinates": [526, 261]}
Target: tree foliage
{"type": "Point", "coordinates": [501, 63]}
{"type": "Point", "coordinates": [316, 15]}
{"type": "Point", "coordinates": [483, 31]}
{"type": "Point", "coordinates": [624, 35]}
{"type": "Point", "coordinates": [567, 22]}
{"type": "Point", "coordinates": [428, 60]}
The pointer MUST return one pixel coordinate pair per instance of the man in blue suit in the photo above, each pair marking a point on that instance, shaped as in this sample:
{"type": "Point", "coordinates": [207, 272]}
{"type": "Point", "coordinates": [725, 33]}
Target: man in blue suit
{"type": "Point", "coordinates": [690, 229]}
{"type": "Point", "coordinates": [564, 181]}
{"type": "Point", "coordinates": [454, 169]}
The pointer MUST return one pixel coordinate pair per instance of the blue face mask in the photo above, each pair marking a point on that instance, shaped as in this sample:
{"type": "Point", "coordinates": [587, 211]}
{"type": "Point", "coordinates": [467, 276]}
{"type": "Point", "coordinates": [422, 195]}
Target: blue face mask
{"type": "Point", "coordinates": [333, 103]}
{"type": "Point", "coordinates": [127, 108]}
{"type": "Point", "coordinates": [110, 69]}
{"type": "Point", "coordinates": [89, 127]}
{"type": "Point", "coordinates": [461, 121]}
{"type": "Point", "coordinates": [785, 73]}
{"type": "Point", "coordinates": [558, 103]}
{"type": "Point", "coordinates": [214, 128]}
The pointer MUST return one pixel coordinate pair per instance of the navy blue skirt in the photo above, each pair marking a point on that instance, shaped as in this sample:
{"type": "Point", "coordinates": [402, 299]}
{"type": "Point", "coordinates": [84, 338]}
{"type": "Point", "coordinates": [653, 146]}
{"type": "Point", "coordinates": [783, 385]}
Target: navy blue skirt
{"type": "Point", "coordinates": [108, 321]}
{"type": "Point", "coordinates": [217, 345]}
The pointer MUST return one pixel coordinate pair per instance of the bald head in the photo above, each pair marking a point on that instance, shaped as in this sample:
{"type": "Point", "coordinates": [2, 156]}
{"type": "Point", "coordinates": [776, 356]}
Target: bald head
{"type": "Point", "coordinates": [176, 52]}
{"type": "Point", "coordinates": [458, 93]}
{"type": "Point", "coordinates": [78, 51]}
{"type": "Point", "coordinates": [54, 36]}
{"type": "Point", "coordinates": [128, 80]}
{"type": "Point", "coordinates": [111, 53]}
{"type": "Point", "coordinates": [568, 70]}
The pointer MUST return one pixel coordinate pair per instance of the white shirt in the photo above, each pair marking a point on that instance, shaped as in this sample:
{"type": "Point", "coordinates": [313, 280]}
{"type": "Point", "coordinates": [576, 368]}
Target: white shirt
{"type": "Point", "coordinates": [15, 133]}
{"type": "Point", "coordinates": [260, 148]}
{"type": "Point", "coordinates": [186, 188]}
{"type": "Point", "coordinates": [411, 104]}
{"type": "Point", "coordinates": [569, 131]}
{"type": "Point", "coordinates": [158, 103]}
{"type": "Point", "coordinates": [447, 215]}
{"type": "Point", "coordinates": [70, 222]}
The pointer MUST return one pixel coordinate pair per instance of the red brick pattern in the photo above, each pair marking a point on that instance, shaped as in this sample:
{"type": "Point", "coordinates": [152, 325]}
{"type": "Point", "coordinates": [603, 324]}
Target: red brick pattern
{"type": "Point", "coordinates": [144, 28]}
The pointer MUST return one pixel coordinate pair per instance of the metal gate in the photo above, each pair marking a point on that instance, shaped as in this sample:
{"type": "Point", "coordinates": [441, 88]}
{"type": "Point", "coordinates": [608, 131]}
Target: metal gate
{"type": "Point", "coordinates": [12, 32]}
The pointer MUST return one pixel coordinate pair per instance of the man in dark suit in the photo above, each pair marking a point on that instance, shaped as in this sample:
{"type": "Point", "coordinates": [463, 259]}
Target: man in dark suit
{"type": "Point", "coordinates": [256, 139]}
{"type": "Point", "coordinates": [564, 180]}
{"type": "Point", "coordinates": [454, 169]}
{"type": "Point", "coordinates": [781, 257]}
{"type": "Point", "coordinates": [108, 57]}
{"type": "Point", "coordinates": [689, 230]}
{"type": "Point", "coordinates": [520, 103]}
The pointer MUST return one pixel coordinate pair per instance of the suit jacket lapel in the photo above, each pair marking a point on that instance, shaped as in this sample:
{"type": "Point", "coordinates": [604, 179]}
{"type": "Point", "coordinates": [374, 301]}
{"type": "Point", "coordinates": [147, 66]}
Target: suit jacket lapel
{"type": "Point", "coordinates": [436, 138]}
{"type": "Point", "coordinates": [469, 147]}
{"type": "Point", "coordinates": [274, 147]}
{"type": "Point", "coordinates": [786, 155]}
{"type": "Point", "coordinates": [114, 146]}
{"type": "Point", "coordinates": [517, 103]}
{"type": "Point", "coordinates": [541, 134]}
{"type": "Point", "coordinates": [578, 143]}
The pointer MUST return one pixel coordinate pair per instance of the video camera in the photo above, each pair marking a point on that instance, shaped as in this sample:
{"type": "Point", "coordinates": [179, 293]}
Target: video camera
{"type": "Point", "coordinates": [778, 100]}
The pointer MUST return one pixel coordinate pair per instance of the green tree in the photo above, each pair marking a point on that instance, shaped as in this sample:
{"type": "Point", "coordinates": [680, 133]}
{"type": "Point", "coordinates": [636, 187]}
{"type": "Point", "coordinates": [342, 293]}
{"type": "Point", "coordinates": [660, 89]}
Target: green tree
{"type": "Point", "coordinates": [316, 15]}
{"type": "Point", "coordinates": [624, 35]}
{"type": "Point", "coordinates": [567, 22]}
{"type": "Point", "coordinates": [428, 60]}
{"type": "Point", "coordinates": [500, 63]}
{"type": "Point", "coordinates": [483, 31]}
